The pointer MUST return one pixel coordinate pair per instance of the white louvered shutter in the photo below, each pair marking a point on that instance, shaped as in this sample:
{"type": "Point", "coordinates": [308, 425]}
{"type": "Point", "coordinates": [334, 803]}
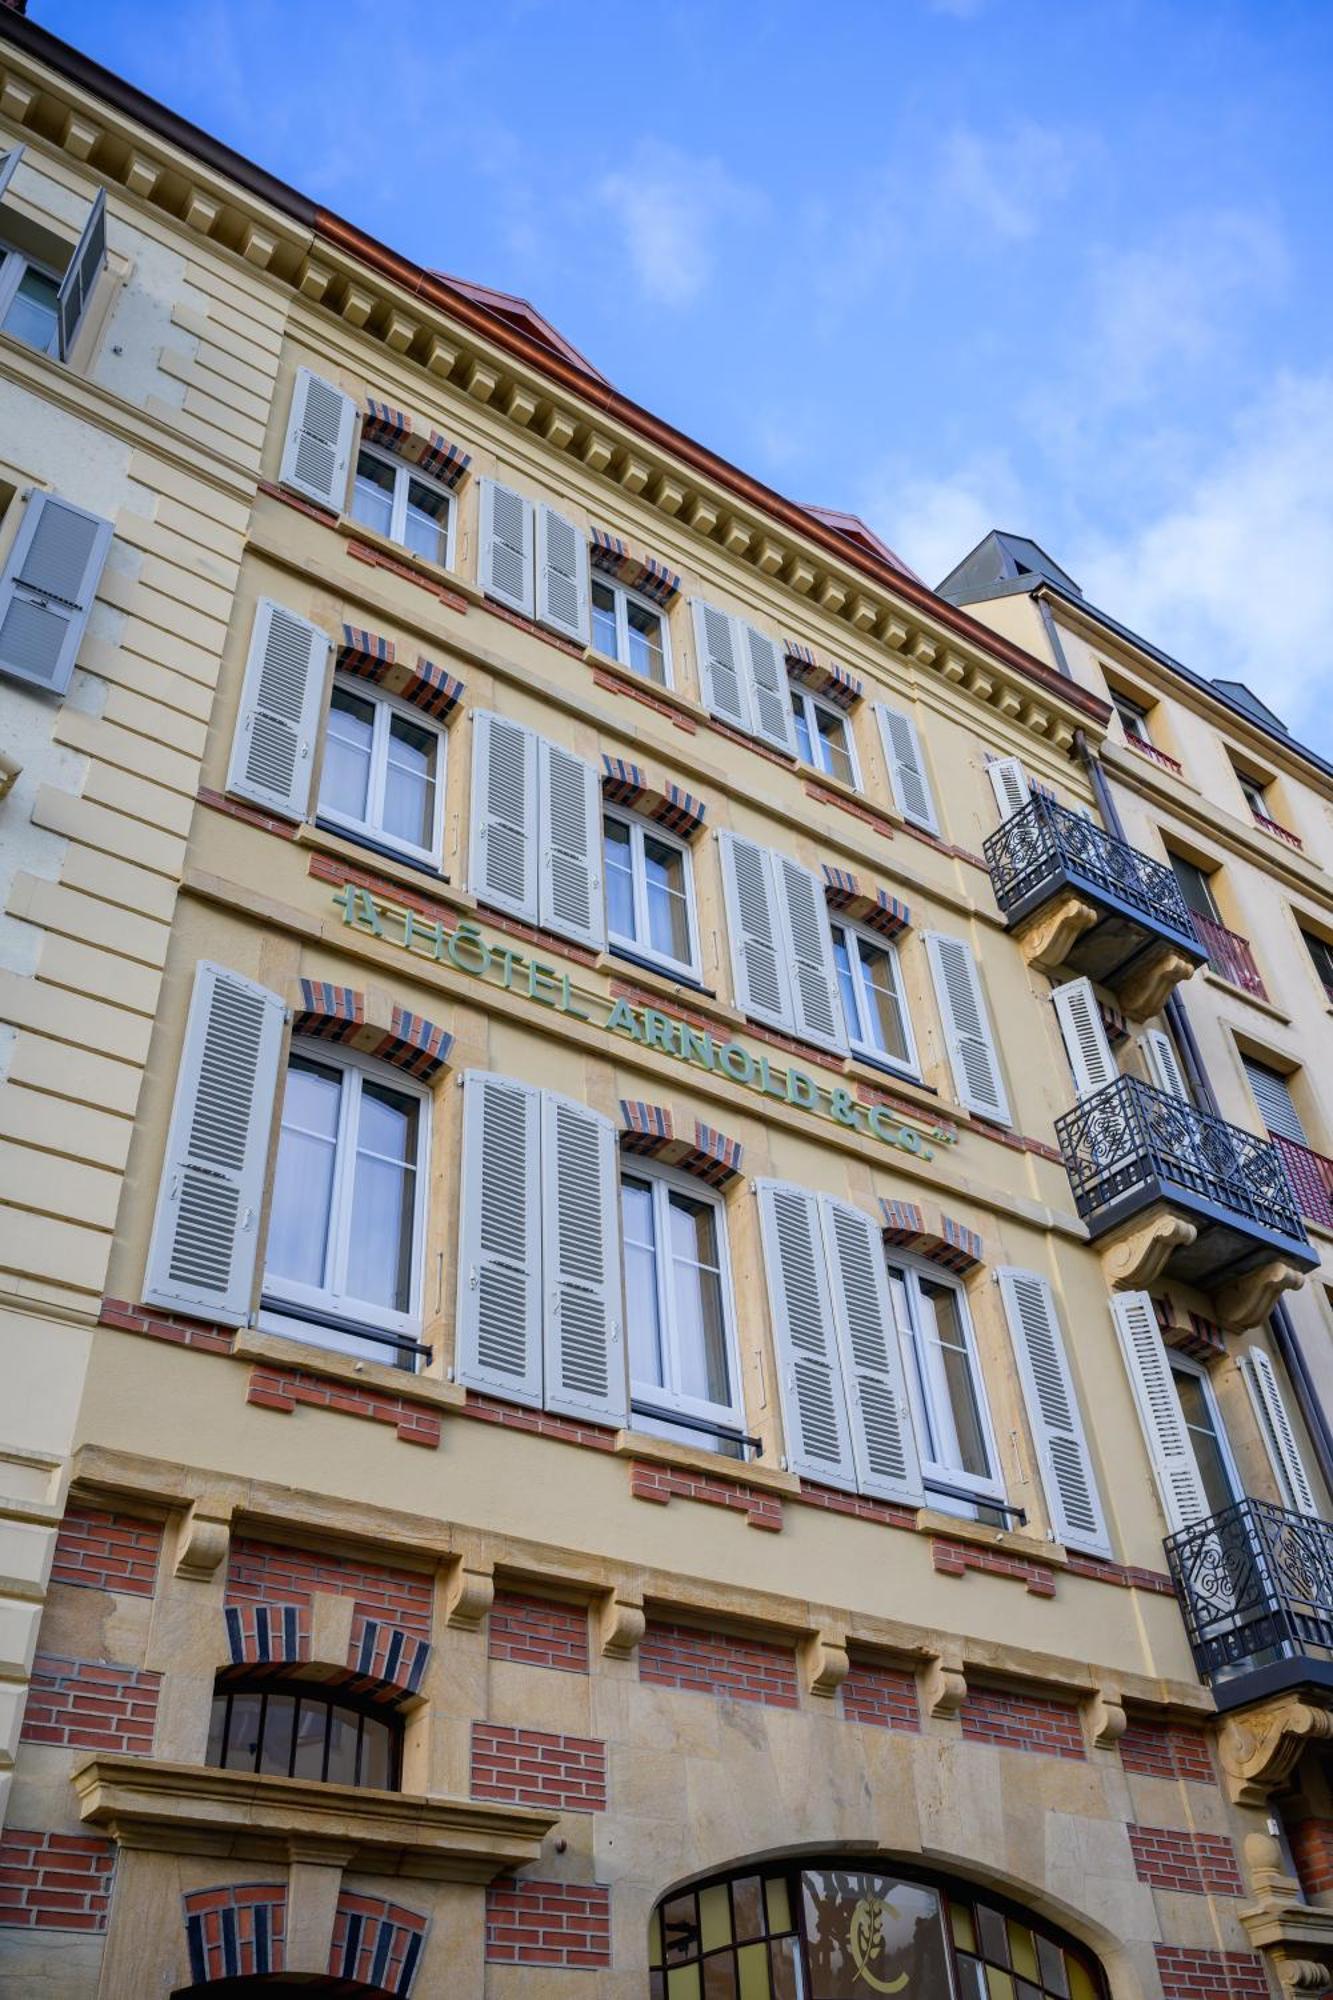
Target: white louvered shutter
{"type": "Point", "coordinates": [1272, 1094]}
{"type": "Point", "coordinates": [571, 845]}
{"type": "Point", "coordinates": [281, 698]}
{"type": "Point", "coordinates": [1278, 1433]}
{"type": "Point", "coordinates": [1084, 1035]}
{"type": "Point", "coordinates": [317, 451]}
{"type": "Point", "coordinates": [81, 275]}
{"type": "Point", "coordinates": [1164, 1067]}
{"type": "Point", "coordinates": [723, 678]}
{"type": "Point", "coordinates": [814, 1404]}
{"type": "Point", "coordinates": [1173, 1462]}
{"type": "Point", "coordinates": [907, 767]}
{"type": "Point", "coordinates": [883, 1445]}
{"type": "Point", "coordinates": [562, 575]}
{"type": "Point", "coordinates": [803, 913]}
{"type": "Point", "coordinates": [967, 1029]}
{"type": "Point", "coordinates": [506, 534]}
{"type": "Point", "coordinates": [1009, 782]}
{"type": "Point", "coordinates": [1067, 1477]}
{"type": "Point", "coordinates": [47, 590]}
{"type": "Point", "coordinates": [770, 698]}
{"type": "Point", "coordinates": [8, 162]}
{"type": "Point", "coordinates": [503, 862]}
{"type": "Point", "coordinates": [755, 929]}
{"type": "Point", "coordinates": [205, 1236]}
{"type": "Point", "coordinates": [499, 1318]}
{"type": "Point", "coordinates": [582, 1305]}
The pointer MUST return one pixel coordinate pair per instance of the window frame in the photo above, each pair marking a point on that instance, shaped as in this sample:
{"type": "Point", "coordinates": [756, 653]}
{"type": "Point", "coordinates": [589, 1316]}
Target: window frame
{"type": "Point", "coordinates": [1133, 717]}
{"type": "Point", "coordinates": [1309, 939]}
{"type": "Point", "coordinates": [640, 829]}
{"type": "Point", "coordinates": [806, 705]}
{"type": "Point", "coordinates": [1184, 1364]}
{"type": "Point", "coordinates": [404, 472]}
{"type": "Point", "coordinates": [319, 1694]}
{"type": "Point", "coordinates": [624, 595]}
{"type": "Point", "coordinates": [984, 1492]}
{"type": "Point", "coordinates": [318, 1313]}
{"type": "Point", "coordinates": [860, 1046]}
{"type": "Point", "coordinates": [386, 706]}
{"type": "Point", "coordinates": [22, 262]}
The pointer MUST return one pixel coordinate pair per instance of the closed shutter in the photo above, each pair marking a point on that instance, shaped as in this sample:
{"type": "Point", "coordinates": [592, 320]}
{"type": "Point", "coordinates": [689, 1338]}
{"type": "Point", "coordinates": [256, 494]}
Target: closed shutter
{"type": "Point", "coordinates": [723, 680]}
{"type": "Point", "coordinates": [502, 862]}
{"type": "Point", "coordinates": [281, 698]}
{"type": "Point", "coordinates": [907, 767]}
{"type": "Point", "coordinates": [317, 451]}
{"type": "Point", "coordinates": [499, 1318]}
{"type": "Point", "coordinates": [8, 162]}
{"type": "Point", "coordinates": [571, 845]}
{"type": "Point", "coordinates": [562, 575]}
{"type": "Point", "coordinates": [1272, 1094]}
{"type": "Point", "coordinates": [967, 1029]}
{"type": "Point", "coordinates": [1084, 1037]}
{"type": "Point", "coordinates": [1067, 1477]}
{"type": "Point", "coordinates": [814, 1407]}
{"type": "Point", "coordinates": [883, 1446]}
{"type": "Point", "coordinates": [769, 695]}
{"type": "Point", "coordinates": [758, 968]}
{"type": "Point", "coordinates": [585, 1351]}
{"type": "Point", "coordinates": [815, 1004]}
{"type": "Point", "coordinates": [1278, 1433]}
{"type": "Point", "coordinates": [47, 590]}
{"type": "Point", "coordinates": [1009, 782]}
{"type": "Point", "coordinates": [81, 275]}
{"type": "Point", "coordinates": [1164, 1068]}
{"type": "Point", "coordinates": [205, 1236]}
{"type": "Point", "coordinates": [506, 540]}
{"type": "Point", "coordinates": [1173, 1462]}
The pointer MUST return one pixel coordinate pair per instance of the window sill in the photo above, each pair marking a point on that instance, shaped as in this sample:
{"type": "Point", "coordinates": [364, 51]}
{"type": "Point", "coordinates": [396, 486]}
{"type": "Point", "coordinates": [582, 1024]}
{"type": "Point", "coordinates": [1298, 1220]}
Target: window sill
{"type": "Point", "coordinates": [434, 574]}
{"type": "Point", "coordinates": [689, 1458]}
{"type": "Point", "coordinates": [381, 850]}
{"type": "Point", "coordinates": [289, 1351]}
{"type": "Point", "coordinates": [392, 868]}
{"type": "Point", "coordinates": [622, 955]}
{"type": "Point", "coordinates": [1032, 1547]}
{"type": "Point", "coordinates": [596, 658]}
{"type": "Point", "coordinates": [1251, 999]}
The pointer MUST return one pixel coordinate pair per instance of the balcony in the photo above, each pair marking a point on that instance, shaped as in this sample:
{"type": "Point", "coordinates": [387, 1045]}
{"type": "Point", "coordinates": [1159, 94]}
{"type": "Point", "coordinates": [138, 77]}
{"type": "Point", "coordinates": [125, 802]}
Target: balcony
{"type": "Point", "coordinates": [1077, 897]}
{"type": "Point", "coordinates": [1229, 956]}
{"type": "Point", "coordinates": [1256, 1591]}
{"type": "Point", "coordinates": [1171, 1191]}
{"type": "Point", "coordinates": [1311, 1177]}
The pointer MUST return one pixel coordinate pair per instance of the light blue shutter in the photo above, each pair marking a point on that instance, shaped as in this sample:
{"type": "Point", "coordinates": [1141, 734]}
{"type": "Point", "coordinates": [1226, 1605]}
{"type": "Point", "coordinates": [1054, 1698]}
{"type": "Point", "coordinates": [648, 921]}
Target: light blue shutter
{"type": "Point", "coordinates": [562, 575]}
{"type": "Point", "coordinates": [883, 1445]}
{"type": "Point", "coordinates": [505, 536]}
{"type": "Point", "coordinates": [278, 719]}
{"type": "Point", "coordinates": [755, 929]}
{"type": "Point", "coordinates": [805, 1336]}
{"type": "Point", "coordinates": [47, 590]}
{"type": "Point", "coordinates": [582, 1297]}
{"type": "Point", "coordinates": [571, 845]}
{"type": "Point", "coordinates": [499, 1315]}
{"type": "Point", "coordinates": [502, 859]}
{"type": "Point", "coordinates": [724, 680]}
{"type": "Point", "coordinates": [317, 450]}
{"type": "Point", "coordinates": [1067, 1477]}
{"type": "Point", "coordinates": [81, 275]}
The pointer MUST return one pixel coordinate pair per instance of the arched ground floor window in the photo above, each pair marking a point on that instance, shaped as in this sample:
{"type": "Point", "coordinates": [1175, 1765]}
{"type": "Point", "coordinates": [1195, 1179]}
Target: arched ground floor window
{"type": "Point", "coordinates": [824, 1930]}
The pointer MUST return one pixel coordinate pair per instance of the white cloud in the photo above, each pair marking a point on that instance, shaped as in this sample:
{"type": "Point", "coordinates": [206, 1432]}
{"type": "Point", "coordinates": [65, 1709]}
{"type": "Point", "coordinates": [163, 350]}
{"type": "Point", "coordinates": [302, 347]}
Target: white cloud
{"type": "Point", "coordinates": [669, 205]}
{"type": "Point", "coordinates": [1008, 182]}
{"type": "Point", "coordinates": [933, 522]}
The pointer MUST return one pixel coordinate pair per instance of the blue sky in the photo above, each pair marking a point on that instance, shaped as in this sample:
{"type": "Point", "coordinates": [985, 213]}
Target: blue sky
{"type": "Point", "coordinates": [1060, 266]}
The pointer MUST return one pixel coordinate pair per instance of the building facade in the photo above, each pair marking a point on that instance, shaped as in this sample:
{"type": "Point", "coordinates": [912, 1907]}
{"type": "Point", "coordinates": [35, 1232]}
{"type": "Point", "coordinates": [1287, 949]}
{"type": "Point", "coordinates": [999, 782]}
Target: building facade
{"type": "Point", "coordinates": [617, 1260]}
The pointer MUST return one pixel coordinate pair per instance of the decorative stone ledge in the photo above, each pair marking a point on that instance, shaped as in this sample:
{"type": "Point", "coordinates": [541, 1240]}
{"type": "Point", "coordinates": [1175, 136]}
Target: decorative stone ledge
{"type": "Point", "coordinates": [1260, 1748]}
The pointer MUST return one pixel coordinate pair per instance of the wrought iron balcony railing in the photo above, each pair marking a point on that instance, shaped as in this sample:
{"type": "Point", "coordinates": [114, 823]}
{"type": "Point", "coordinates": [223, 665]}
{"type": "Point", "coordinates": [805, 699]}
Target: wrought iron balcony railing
{"type": "Point", "coordinates": [1311, 1177]}
{"type": "Point", "coordinates": [1256, 1591]}
{"type": "Point", "coordinates": [1043, 845]}
{"type": "Point", "coordinates": [1230, 956]}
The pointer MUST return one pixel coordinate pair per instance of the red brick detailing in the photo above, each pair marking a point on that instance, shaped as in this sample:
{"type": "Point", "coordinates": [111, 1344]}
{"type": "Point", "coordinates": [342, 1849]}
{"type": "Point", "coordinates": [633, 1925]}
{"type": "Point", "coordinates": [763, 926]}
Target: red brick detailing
{"type": "Point", "coordinates": [943, 846]}
{"type": "Point", "coordinates": [283, 1388]}
{"type": "Point", "coordinates": [786, 762]}
{"type": "Point", "coordinates": [359, 1931]}
{"type": "Point", "coordinates": [97, 1550]}
{"type": "Point", "coordinates": [1198, 1864]}
{"type": "Point", "coordinates": [538, 1632]}
{"type": "Point", "coordinates": [54, 1881]}
{"type": "Point", "coordinates": [1022, 1722]}
{"type": "Point", "coordinates": [663, 1483]}
{"type": "Point", "coordinates": [166, 1326]}
{"type": "Point", "coordinates": [614, 686]}
{"type": "Point", "coordinates": [527, 1767]}
{"type": "Point", "coordinates": [524, 624]}
{"type": "Point", "coordinates": [326, 868]}
{"type": "Point", "coordinates": [805, 1050]}
{"type": "Point", "coordinates": [1101, 1570]}
{"type": "Point", "coordinates": [559, 947]}
{"type": "Point", "coordinates": [240, 1930]}
{"type": "Point", "coordinates": [1167, 1750]}
{"type": "Point", "coordinates": [622, 989]}
{"type": "Point", "coordinates": [1311, 1842]}
{"type": "Point", "coordinates": [1210, 1975]}
{"type": "Point", "coordinates": [884, 1696]}
{"type": "Point", "coordinates": [859, 809]}
{"type": "Point", "coordinates": [380, 559]}
{"type": "Point", "coordinates": [514, 1418]}
{"type": "Point", "coordinates": [883, 1511]}
{"type": "Point", "coordinates": [326, 516]}
{"type": "Point", "coordinates": [548, 1923]}
{"type": "Point", "coordinates": [718, 1663]}
{"type": "Point", "coordinates": [267, 1572]}
{"type": "Point", "coordinates": [252, 815]}
{"type": "Point", "coordinates": [954, 1558]}
{"type": "Point", "coordinates": [85, 1705]}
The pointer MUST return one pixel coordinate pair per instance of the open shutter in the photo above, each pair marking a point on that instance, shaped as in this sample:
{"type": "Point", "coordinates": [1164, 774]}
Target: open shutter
{"type": "Point", "coordinates": [281, 698]}
{"type": "Point", "coordinates": [723, 679]}
{"type": "Point", "coordinates": [967, 1030]}
{"type": "Point", "coordinates": [754, 927]}
{"type": "Point", "coordinates": [1278, 1433]}
{"type": "Point", "coordinates": [506, 540]}
{"type": "Point", "coordinates": [907, 767]}
{"type": "Point", "coordinates": [1009, 782]}
{"type": "Point", "coordinates": [803, 910]}
{"type": "Point", "coordinates": [883, 1446]}
{"type": "Point", "coordinates": [1164, 1068]}
{"type": "Point", "coordinates": [1084, 1036]}
{"type": "Point", "coordinates": [571, 845]}
{"type": "Point", "coordinates": [317, 450]}
{"type": "Point", "coordinates": [502, 860]}
{"type": "Point", "coordinates": [205, 1236]}
{"type": "Point", "coordinates": [1067, 1478]}
{"type": "Point", "coordinates": [1272, 1094]}
{"type": "Point", "coordinates": [562, 575]}
{"type": "Point", "coordinates": [499, 1319]}
{"type": "Point", "coordinates": [1173, 1462]}
{"type": "Point", "coordinates": [47, 590]}
{"type": "Point", "coordinates": [585, 1351]}
{"type": "Point", "coordinates": [81, 275]}
{"type": "Point", "coordinates": [769, 694]}
{"type": "Point", "coordinates": [814, 1405]}
{"type": "Point", "coordinates": [8, 162]}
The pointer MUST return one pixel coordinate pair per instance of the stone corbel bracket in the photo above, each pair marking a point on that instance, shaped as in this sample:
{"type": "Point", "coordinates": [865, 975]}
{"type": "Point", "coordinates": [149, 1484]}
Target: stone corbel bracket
{"type": "Point", "coordinates": [1104, 1717]}
{"type": "Point", "coordinates": [1145, 989]}
{"type": "Point", "coordinates": [1282, 1925]}
{"type": "Point", "coordinates": [1047, 938]}
{"type": "Point", "coordinates": [823, 1661]}
{"type": "Point", "coordinates": [620, 1623]}
{"type": "Point", "coordinates": [943, 1685]}
{"type": "Point", "coordinates": [203, 1537]}
{"type": "Point", "coordinates": [1260, 1749]}
{"type": "Point", "coordinates": [469, 1592]}
{"type": "Point", "coordinates": [1135, 1258]}
{"type": "Point", "coordinates": [1247, 1301]}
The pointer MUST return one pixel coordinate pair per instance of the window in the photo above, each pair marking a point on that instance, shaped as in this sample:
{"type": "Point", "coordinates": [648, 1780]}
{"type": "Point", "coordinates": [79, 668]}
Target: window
{"type": "Point", "coordinates": [293, 1729]}
{"type": "Point", "coordinates": [1321, 957]}
{"type": "Point", "coordinates": [1194, 887]}
{"type": "Point", "coordinates": [649, 893]}
{"type": "Point", "coordinates": [45, 290]}
{"type": "Point", "coordinates": [824, 736]}
{"type": "Point", "coordinates": [683, 1375]}
{"type": "Point", "coordinates": [1277, 1107]}
{"type": "Point", "coordinates": [1133, 718]}
{"type": "Point", "coordinates": [1207, 1437]}
{"type": "Point", "coordinates": [383, 776]}
{"type": "Point", "coordinates": [396, 500]}
{"type": "Point", "coordinates": [870, 982]}
{"type": "Point", "coordinates": [348, 1210]}
{"type": "Point", "coordinates": [28, 300]}
{"type": "Point", "coordinates": [944, 1386]}
{"type": "Point", "coordinates": [631, 629]}
{"type": "Point", "coordinates": [1255, 792]}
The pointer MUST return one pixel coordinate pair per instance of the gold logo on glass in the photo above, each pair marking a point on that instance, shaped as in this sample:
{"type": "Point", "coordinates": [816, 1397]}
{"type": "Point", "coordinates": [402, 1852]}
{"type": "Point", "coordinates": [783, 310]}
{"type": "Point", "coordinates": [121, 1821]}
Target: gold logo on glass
{"type": "Point", "coordinates": [865, 1940]}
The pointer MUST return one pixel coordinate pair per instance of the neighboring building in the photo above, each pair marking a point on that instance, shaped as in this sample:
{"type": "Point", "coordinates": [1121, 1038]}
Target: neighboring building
{"type": "Point", "coordinates": [569, 1433]}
